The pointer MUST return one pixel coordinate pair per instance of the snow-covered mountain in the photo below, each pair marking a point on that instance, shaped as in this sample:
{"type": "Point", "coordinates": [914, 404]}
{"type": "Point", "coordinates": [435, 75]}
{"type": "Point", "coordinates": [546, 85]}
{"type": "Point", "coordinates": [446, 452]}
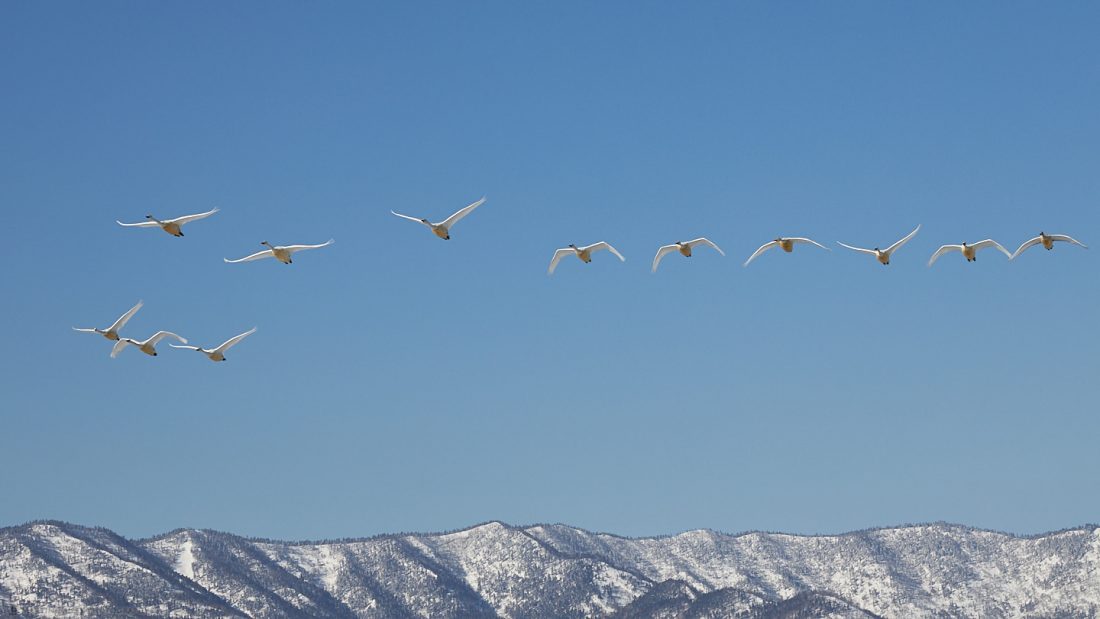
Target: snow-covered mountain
{"type": "Point", "coordinates": [55, 569]}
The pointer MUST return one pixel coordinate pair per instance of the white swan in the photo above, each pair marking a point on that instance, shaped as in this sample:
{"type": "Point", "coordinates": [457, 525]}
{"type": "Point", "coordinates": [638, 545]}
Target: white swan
{"type": "Point", "coordinates": [171, 226]}
{"type": "Point", "coordinates": [147, 346]}
{"type": "Point", "coordinates": [785, 243]}
{"type": "Point", "coordinates": [282, 253]}
{"type": "Point", "coordinates": [883, 255]}
{"type": "Point", "coordinates": [111, 332]}
{"type": "Point", "coordinates": [1048, 242]}
{"type": "Point", "coordinates": [684, 248]}
{"type": "Point", "coordinates": [968, 251]}
{"type": "Point", "coordinates": [584, 253]}
{"type": "Point", "coordinates": [443, 228]}
{"type": "Point", "coordinates": [218, 354]}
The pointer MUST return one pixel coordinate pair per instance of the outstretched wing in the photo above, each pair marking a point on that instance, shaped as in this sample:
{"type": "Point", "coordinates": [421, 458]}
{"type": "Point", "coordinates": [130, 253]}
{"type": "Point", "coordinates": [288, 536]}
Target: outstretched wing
{"type": "Point", "coordinates": [121, 322]}
{"type": "Point", "coordinates": [1068, 239]}
{"type": "Point", "coordinates": [605, 245]}
{"type": "Point", "coordinates": [294, 248]}
{"type": "Point", "coordinates": [119, 346]}
{"type": "Point", "coordinates": [185, 347]}
{"type": "Point", "coordinates": [267, 253]}
{"type": "Point", "coordinates": [189, 218]}
{"type": "Point", "coordinates": [941, 251]}
{"type": "Point", "coordinates": [409, 218]}
{"type": "Point", "coordinates": [661, 254]}
{"type": "Point", "coordinates": [160, 335]}
{"type": "Point", "coordinates": [799, 239]}
{"type": "Point", "coordinates": [991, 243]}
{"type": "Point", "coordinates": [140, 224]}
{"type": "Point", "coordinates": [903, 241]}
{"type": "Point", "coordinates": [859, 249]}
{"type": "Point", "coordinates": [231, 342]}
{"type": "Point", "coordinates": [453, 219]}
{"type": "Point", "coordinates": [707, 242]}
{"type": "Point", "coordinates": [83, 330]}
{"type": "Point", "coordinates": [558, 255]}
{"type": "Point", "coordinates": [1025, 245]}
{"type": "Point", "coordinates": [763, 248]}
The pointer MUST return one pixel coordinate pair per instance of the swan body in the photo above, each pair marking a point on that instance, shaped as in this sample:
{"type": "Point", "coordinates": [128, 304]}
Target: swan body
{"type": "Point", "coordinates": [1047, 240]}
{"type": "Point", "coordinates": [970, 252]}
{"type": "Point", "coordinates": [111, 332]}
{"type": "Point", "coordinates": [583, 253]}
{"type": "Point", "coordinates": [282, 253]}
{"type": "Point", "coordinates": [785, 243]}
{"type": "Point", "coordinates": [147, 346]}
{"type": "Point", "coordinates": [171, 226]}
{"type": "Point", "coordinates": [443, 229]}
{"type": "Point", "coordinates": [883, 255]}
{"type": "Point", "coordinates": [684, 247]}
{"type": "Point", "coordinates": [218, 354]}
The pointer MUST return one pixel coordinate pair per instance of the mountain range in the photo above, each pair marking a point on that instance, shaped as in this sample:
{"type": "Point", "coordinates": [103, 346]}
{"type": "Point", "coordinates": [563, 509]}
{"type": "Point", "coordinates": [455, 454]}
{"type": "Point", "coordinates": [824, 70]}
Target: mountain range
{"type": "Point", "coordinates": [56, 569]}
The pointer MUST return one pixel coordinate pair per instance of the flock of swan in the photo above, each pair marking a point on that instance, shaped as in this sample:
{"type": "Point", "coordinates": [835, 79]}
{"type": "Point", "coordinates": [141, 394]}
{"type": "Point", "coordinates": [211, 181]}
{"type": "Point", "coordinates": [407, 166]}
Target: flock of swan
{"type": "Point", "coordinates": [442, 229]}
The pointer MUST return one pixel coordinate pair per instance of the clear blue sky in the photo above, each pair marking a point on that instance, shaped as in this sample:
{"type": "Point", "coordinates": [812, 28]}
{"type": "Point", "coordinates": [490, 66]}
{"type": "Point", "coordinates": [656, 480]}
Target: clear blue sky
{"type": "Point", "coordinates": [399, 382]}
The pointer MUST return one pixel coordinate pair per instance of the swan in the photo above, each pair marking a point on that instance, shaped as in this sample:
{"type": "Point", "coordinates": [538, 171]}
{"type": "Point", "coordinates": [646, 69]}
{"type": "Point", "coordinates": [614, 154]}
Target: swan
{"type": "Point", "coordinates": [1048, 242]}
{"type": "Point", "coordinates": [968, 251]}
{"type": "Point", "coordinates": [171, 226]}
{"type": "Point", "coordinates": [684, 248]}
{"type": "Point", "coordinates": [282, 253]}
{"type": "Point", "coordinates": [147, 346]}
{"type": "Point", "coordinates": [443, 228]}
{"type": "Point", "coordinates": [883, 255]}
{"type": "Point", "coordinates": [111, 332]}
{"type": "Point", "coordinates": [584, 253]}
{"type": "Point", "coordinates": [218, 354]}
{"type": "Point", "coordinates": [785, 243]}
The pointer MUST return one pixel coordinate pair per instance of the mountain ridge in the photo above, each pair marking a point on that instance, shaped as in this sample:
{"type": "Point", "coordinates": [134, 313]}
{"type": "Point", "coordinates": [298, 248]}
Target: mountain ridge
{"type": "Point", "coordinates": [493, 569]}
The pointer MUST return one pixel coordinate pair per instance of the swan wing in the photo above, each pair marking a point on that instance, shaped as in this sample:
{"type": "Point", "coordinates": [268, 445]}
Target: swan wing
{"type": "Point", "coordinates": [267, 253]}
{"type": "Point", "coordinates": [121, 322]}
{"type": "Point", "coordinates": [462, 212]}
{"type": "Point", "coordinates": [799, 239]}
{"type": "Point", "coordinates": [763, 248]}
{"type": "Point", "coordinates": [707, 242]}
{"type": "Point", "coordinates": [665, 249]}
{"type": "Point", "coordinates": [1068, 239]}
{"type": "Point", "coordinates": [119, 346]}
{"type": "Point", "coordinates": [160, 335]}
{"type": "Point", "coordinates": [233, 341]}
{"type": "Point", "coordinates": [558, 255]}
{"type": "Point", "coordinates": [941, 251]}
{"type": "Point", "coordinates": [186, 347]}
{"type": "Point", "coordinates": [1025, 245]}
{"type": "Point", "coordinates": [409, 218]}
{"type": "Point", "coordinates": [859, 249]}
{"type": "Point", "coordinates": [140, 224]}
{"type": "Point", "coordinates": [83, 330]}
{"type": "Point", "coordinates": [605, 245]}
{"type": "Point", "coordinates": [189, 218]}
{"type": "Point", "coordinates": [903, 241]}
{"type": "Point", "coordinates": [294, 248]}
{"type": "Point", "coordinates": [991, 243]}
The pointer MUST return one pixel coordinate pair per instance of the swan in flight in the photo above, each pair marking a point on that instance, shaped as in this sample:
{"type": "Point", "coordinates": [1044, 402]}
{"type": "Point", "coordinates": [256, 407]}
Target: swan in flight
{"type": "Point", "coordinates": [684, 248]}
{"type": "Point", "coordinates": [171, 226]}
{"type": "Point", "coordinates": [883, 255]}
{"type": "Point", "coordinates": [218, 354]}
{"type": "Point", "coordinates": [147, 346]}
{"type": "Point", "coordinates": [970, 252]}
{"type": "Point", "coordinates": [111, 332]}
{"type": "Point", "coordinates": [282, 253]}
{"type": "Point", "coordinates": [1048, 242]}
{"type": "Point", "coordinates": [584, 253]}
{"type": "Point", "coordinates": [443, 228]}
{"type": "Point", "coordinates": [786, 243]}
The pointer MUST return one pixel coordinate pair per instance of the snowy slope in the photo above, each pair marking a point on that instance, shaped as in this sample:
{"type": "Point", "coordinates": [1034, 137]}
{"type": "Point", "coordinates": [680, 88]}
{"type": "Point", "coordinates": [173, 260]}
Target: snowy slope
{"type": "Point", "coordinates": [53, 569]}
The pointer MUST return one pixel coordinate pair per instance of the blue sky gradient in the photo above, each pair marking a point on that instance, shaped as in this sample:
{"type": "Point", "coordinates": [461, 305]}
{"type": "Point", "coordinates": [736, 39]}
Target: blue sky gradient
{"type": "Point", "coordinates": [399, 382]}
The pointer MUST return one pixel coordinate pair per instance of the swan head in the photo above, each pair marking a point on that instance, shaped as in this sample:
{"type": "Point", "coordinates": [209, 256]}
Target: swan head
{"type": "Point", "coordinates": [265, 243]}
{"type": "Point", "coordinates": [572, 245]}
{"type": "Point", "coordinates": [876, 249]}
{"type": "Point", "coordinates": [425, 221]}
